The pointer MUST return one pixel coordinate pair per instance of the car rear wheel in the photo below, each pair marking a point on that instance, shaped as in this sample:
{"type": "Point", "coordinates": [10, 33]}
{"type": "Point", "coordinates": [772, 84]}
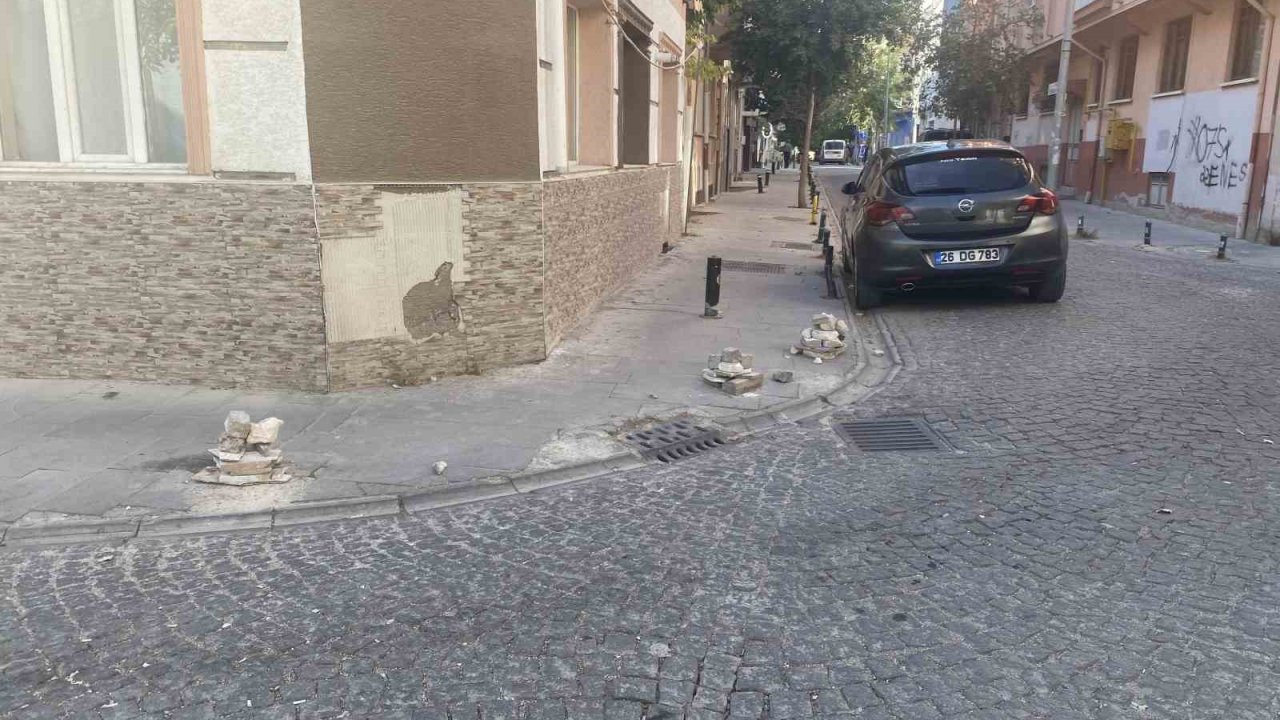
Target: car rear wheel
{"type": "Point", "coordinates": [1050, 291]}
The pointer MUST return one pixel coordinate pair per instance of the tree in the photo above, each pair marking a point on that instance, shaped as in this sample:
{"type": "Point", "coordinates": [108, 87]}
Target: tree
{"type": "Point", "coordinates": [798, 51]}
{"type": "Point", "coordinates": [980, 61]}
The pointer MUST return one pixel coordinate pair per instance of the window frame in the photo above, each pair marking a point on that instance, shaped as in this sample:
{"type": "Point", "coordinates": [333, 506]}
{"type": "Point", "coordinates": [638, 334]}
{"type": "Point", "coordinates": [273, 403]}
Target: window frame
{"type": "Point", "coordinates": [1124, 50]}
{"type": "Point", "coordinates": [1177, 48]}
{"type": "Point", "coordinates": [1243, 8]}
{"type": "Point", "coordinates": [1158, 180]}
{"type": "Point", "coordinates": [71, 154]}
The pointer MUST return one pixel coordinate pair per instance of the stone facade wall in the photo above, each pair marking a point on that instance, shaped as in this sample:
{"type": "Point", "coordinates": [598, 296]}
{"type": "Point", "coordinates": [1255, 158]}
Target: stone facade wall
{"type": "Point", "coordinates": [601, 231]}
{"type": "Point", "coordinates": [226, 284]}
{"type": "Point", "coordinates": [500, 302]}
{"type": "Point", "coordinates": [207, 283]}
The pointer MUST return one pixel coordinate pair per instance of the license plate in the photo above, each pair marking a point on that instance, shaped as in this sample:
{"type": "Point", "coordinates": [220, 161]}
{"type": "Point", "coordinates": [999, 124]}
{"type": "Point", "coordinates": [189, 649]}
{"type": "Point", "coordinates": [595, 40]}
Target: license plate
{"type": "Point", "coordinates": [960, 257]}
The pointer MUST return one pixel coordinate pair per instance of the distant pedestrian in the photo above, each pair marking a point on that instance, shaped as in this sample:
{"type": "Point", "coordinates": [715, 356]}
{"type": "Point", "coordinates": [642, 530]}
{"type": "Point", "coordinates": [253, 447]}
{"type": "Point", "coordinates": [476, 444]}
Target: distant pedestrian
{"type": "Point", "coordinates": [786, 157]}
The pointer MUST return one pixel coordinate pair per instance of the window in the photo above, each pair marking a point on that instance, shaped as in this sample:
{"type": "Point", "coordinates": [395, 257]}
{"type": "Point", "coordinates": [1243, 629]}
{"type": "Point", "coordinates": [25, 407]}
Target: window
{"type": "Point", "coordinates": [1126, 67]}
{"type": "Point", "coordinates": [1158, 189]}
{"type": "Point", "coordinates": [1047, 100]}
{"type": "Point", "coordinates": [1246, 43]}
{"type": "Point", "coordinates": [1173, 64]}
{"type": "Point", "coordinates": [90, 82]}
{"type": "Point", "coordinates": [961, 174]}
{"type": "Point", "coordinates": [572, 109]}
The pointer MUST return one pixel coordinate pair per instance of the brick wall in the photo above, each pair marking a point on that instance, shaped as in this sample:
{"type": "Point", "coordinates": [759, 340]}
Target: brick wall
{"type": "Point", "coordinates": [500, 301]}
{"type": "Point", "coordinates": [209, 283]}
{"type": "Point", "coordinates": [601, 231]}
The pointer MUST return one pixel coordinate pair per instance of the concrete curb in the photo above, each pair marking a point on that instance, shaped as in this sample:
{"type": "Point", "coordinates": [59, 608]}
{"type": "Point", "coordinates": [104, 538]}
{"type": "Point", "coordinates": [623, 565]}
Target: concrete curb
{"type": "Point", "coordinates": [871, 372]}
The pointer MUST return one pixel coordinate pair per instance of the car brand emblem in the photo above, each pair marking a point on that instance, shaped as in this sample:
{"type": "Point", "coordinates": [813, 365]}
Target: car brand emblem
{"type": "Point", "coordinates": [965, 205]}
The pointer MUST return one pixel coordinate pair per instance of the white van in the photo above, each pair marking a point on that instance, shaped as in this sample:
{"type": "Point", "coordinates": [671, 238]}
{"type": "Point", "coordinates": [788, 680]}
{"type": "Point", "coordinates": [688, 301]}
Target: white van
{"type": "Point", "coordinates": [834, 151]}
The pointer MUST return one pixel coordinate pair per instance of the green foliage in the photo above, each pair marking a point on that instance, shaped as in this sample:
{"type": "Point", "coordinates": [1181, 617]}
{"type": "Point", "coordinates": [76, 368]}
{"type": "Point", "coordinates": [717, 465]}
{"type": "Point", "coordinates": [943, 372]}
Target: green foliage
{"type": "Point", "coordinates": [790, 48]}
{"type": "Point", "coordinates": [981, 59]}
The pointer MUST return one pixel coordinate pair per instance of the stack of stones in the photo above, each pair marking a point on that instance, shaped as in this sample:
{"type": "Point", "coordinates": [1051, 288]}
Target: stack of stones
{"type": "Point", "coordinates": [731, 372]}
{"type": "Point", "coordinates": [824, 339]}
{"type": "Point", "coordinates": [248, 453]}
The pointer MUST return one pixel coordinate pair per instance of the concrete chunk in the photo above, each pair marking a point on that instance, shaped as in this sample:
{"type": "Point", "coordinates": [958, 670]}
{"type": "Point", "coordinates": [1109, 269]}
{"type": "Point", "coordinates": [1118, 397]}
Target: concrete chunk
{"type": "Point", "coordinates": [237, 424]}
{"type": "Point", "coordinates": [265, 432]}
{"type": "Point", "coordinates": [744, 384]}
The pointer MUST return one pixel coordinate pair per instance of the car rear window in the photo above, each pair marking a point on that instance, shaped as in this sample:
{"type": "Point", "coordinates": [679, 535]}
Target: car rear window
{"type": "Point", "coordinates": [961, 174]}
{"type": "Point", "coordinates": [833, 145]}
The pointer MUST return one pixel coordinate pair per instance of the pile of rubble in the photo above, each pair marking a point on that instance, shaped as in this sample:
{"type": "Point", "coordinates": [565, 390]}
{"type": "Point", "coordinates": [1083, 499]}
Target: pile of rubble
{"type": "Point", "coordinates": [824, 339]}
{"type": "Point", "coordinates": [248, 453]}
{"type": "Point", "coordinates": [731, 372]}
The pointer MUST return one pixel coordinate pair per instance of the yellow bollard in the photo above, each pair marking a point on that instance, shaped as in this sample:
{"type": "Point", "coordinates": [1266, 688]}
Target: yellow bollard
{"type": "Point", "coordinates": [813, 214]}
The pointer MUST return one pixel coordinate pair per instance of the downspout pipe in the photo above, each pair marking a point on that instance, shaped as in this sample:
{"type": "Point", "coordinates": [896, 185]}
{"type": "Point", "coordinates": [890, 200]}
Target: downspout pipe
{"type": "Point", "coordinates": [1242, 220]}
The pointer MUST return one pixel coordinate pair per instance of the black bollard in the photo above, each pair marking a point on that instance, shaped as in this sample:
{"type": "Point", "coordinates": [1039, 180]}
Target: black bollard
{"type": "Point", "coordinates": [822, 220]}
{"type": "Point", "coordinates": [1222, 247]}
{"type": "Point", "coordinates": [713, 288]}
{"type": "Point", "coordinates": [1080, 226]}
{"type": "Point", "coordinates": [1146, 234]}
{"type": "Point", "coordinates": [760, 183]}
{"type": "Point", "coordinates": [767, 175]}
{"type": "Point", "coordinates": [828, 269]}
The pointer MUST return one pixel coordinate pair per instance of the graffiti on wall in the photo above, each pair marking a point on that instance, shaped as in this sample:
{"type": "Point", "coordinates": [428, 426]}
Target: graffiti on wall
{"type": "Point", "coordinates": [1210, 146]}
{"type": "Point", "coordinates": [1204, 139]}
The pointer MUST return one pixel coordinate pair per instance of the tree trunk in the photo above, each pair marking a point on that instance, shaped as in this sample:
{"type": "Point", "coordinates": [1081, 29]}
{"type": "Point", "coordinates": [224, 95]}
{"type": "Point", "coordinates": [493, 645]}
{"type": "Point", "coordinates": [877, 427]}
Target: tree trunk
{"type": "Point", "coordinates": [804, 151]}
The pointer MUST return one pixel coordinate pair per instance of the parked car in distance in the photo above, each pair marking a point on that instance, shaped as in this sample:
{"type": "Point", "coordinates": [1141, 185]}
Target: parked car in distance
{"type": "Point", "coordinates": [834, 151]}
{"type": "Point", "coordinates": [947, 134]}
{"type": "Point", "coordinates": [951, 214]}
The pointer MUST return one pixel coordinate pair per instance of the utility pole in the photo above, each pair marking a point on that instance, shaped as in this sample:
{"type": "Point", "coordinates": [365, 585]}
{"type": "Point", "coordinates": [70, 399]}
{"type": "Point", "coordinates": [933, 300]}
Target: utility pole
{"type": "Point", "coordinates": [1060, 100]}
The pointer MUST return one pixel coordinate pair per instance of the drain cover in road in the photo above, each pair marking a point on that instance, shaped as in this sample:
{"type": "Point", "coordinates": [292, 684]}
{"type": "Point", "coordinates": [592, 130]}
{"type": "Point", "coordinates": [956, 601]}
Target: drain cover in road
{"type": "Point", "coordinates": [748, 266]}
{"type": "Point", "coordinates": [795, 246]}
{"type": "Point", "coordinates": [888, 435]}
{"type": "Point", "coordinates": [673, 441]}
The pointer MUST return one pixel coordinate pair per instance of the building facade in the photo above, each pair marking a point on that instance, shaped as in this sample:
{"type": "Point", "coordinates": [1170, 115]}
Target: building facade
{"type": "Point", "coordinates": [1170, 108]}
{"type": "Point", "coordinates": [325, 195]}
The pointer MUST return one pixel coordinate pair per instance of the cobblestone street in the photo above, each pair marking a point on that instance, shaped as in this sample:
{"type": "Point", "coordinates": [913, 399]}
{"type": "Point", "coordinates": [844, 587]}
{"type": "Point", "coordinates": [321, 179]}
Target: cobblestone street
{"type": "Point", "coordinates": [1101, 542]}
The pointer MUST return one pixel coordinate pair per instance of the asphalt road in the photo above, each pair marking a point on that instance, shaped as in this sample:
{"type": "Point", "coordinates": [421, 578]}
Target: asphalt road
{"type": "Point", "coordinates": [1099, 540]}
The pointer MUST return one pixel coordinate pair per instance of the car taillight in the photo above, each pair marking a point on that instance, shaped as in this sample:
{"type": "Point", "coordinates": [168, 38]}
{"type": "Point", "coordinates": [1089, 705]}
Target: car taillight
{"type": "Point", "coordinates": [1044, 202]}
{"type": "Point", "coordinates": [883, 213]}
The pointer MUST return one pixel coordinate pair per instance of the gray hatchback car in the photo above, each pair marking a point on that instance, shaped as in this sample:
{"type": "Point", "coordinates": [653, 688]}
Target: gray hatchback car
{"type": "Point", "coordinates": [952, 214]}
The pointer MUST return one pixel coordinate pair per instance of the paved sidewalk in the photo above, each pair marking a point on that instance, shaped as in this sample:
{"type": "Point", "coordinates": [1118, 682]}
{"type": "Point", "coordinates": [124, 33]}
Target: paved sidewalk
{"type": "Point", "coordinates": [93, 449]}
{"type": "Point", "coordinates": [1116, 227]}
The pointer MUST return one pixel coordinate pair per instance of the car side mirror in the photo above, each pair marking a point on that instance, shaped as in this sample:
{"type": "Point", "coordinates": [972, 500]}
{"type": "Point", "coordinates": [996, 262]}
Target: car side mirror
{"type": "Point", "coordinates": [851, 188]}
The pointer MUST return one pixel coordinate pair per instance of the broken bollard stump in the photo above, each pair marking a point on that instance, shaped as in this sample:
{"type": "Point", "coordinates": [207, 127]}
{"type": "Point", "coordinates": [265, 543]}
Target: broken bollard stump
{"type": "Point", "coordinates": [731, 371]}
{"type": "Point", "coordinates": [247, 453]}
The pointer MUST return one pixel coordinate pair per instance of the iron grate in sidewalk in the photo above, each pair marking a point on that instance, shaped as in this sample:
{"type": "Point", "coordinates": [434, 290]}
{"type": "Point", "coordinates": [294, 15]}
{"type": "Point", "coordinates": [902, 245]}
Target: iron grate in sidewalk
{"type": "Point", "coordinates": [889, 435]}
{"type": "Point", "coordinates": [794, 245]}
{"type": "Point", "coordinates": [748, 266]}
{"type": "Point", "coordinates": [673, 441]}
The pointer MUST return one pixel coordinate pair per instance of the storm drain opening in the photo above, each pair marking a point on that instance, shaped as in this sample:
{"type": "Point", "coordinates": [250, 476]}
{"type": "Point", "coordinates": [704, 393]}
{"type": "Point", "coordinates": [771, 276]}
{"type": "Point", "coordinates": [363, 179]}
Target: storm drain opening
{"type": "Point", "coordinates": [673, 441]}
{"type": "Point", "coordinates": [794, 245]}
{"type": "Point", "coordinates": [748, 266]}
{"type": "Point", "coordinates": [889, 435]}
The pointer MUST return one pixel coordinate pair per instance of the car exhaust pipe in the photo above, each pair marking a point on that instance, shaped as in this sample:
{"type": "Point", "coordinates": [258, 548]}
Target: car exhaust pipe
{"type": "Point", "coordinates": [907, 287]}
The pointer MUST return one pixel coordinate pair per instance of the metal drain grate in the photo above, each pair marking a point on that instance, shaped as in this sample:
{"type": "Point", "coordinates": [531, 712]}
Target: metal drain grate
{"type": "Point", "coordinates": [789, 218]}
{"type": "Point", "coordinates": [673, 441]}
{"type": "Point", "coordinates": [889, 434]}
{"type": "Point", "coordinates": [794, 246]}
{"type": "Point", "coordinates": [747, 266]}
